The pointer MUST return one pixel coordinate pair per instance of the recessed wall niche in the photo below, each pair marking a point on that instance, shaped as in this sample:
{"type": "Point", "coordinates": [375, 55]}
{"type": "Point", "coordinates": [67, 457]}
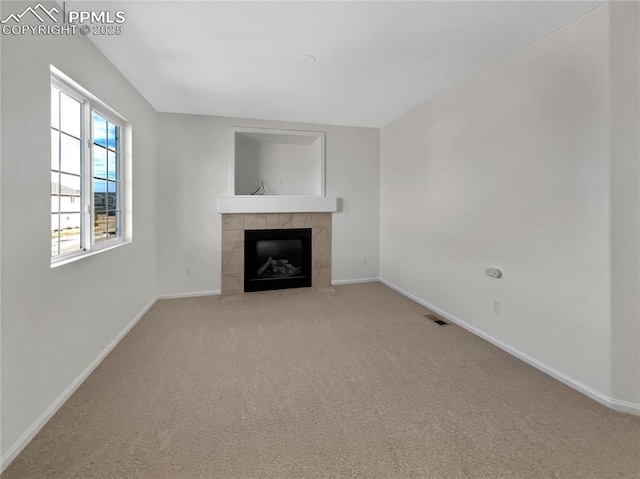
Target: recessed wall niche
{"type": "Point", "coordinates": [270, 162]}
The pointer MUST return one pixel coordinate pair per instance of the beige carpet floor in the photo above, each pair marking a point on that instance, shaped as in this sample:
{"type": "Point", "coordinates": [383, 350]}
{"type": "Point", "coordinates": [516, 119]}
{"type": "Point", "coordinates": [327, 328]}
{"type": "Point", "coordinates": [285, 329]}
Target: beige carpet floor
{"type": "Point", "coordinates": [351, 382]}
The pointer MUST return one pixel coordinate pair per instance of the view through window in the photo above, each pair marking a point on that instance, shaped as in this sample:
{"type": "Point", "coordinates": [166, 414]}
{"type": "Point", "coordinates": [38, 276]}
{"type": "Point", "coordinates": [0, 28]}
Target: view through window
{"type": "Point", "coordinates": [86, 178]}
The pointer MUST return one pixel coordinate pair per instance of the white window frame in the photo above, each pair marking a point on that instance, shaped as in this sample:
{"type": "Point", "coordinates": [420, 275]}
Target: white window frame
{"type": "Point", "coordinates": [89, 103]}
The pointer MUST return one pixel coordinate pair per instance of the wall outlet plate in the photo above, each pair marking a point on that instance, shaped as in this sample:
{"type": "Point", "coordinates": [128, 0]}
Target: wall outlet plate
{"type": "Point", "coordinates": [497, 306]}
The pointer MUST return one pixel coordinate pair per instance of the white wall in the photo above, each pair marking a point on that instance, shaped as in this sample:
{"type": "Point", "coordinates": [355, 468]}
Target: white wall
{"type": "Point", "coordinates": [286, 169]}
{"type": "Point", "coordinates": [246, 176]}
{"type": "Point", "coordinates": [193, 156]}
{"type": "Point", "coordinates": [625, 199]}
{"type": "Point", "coordinates": [290, 169]}
{"type": "Point", "coordinates": [511, 169]}
{"type": "Point", "coordinates": [55, 322]}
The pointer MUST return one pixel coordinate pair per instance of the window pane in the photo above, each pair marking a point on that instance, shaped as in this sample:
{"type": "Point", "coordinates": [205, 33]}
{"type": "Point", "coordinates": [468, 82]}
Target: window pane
{"type": "Point", "coordinates": [55, 150]}
{"type": "Point", "coordinates": [99, 195]}
{"type": "Point", "coordinates": [113, 219]}
{"type": "Point", "coordinates": [112, 168]}
{"type": "Point", "coordinates": [55, 107]}
{"type": "Point", "coordinates": [69, 185]}
{"type": "Point", "coordinates": [55, 226]}
{"type": "Point", "coordinates": [55, 183]}
{"type": "Point", "coordinates": [70, 204]}
{"type": "Point", "coordinates": [99, 130]}
{"type": "Point", "coordinates": [69, 232]}
{"type": "Point", "coordinates": [99, 227]}
{"type": "Point", "coordinates": [112, 195]}
{"type": "Point", "coordinates": [55, 202]}
{"type": "Point", "coordinates": [69, 115]}
{"type": "Point", "coordinates": [112, 136]}
{"type": "Point", "coordinates": [70, 154]}
{"type": "Point", "coordinates": [99, 162]}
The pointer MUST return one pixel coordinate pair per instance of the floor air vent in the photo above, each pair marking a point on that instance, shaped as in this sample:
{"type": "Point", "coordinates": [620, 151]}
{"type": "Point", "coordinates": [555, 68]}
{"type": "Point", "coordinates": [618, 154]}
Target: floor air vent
{"type": "Point", "coordinates": [436, 319]}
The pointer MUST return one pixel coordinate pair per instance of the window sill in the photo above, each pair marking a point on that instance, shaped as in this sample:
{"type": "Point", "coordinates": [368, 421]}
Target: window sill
{"type": "Point", "coordinates": [85, 254]}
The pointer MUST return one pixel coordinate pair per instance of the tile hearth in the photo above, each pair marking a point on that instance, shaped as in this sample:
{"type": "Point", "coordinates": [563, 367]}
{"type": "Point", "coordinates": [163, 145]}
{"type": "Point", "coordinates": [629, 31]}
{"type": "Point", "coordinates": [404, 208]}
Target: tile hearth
{"type": "Point", "coordinates": [234, 225]}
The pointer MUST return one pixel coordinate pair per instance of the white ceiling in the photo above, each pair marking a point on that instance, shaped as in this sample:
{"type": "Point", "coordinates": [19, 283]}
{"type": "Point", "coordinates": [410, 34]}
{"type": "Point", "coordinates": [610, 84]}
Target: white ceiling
{"type": "Point", "coordinates": [375, 60]}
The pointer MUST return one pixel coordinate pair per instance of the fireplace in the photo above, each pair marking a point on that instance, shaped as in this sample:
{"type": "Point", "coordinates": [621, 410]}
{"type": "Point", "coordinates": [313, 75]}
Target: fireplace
{"type": "Point", "coordinates": [277, 259]}
{"type": "Point", "coordinates": [234, 227]}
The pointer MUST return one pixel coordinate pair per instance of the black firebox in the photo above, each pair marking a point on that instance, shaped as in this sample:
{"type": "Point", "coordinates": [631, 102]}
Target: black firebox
{"type": "Point", "coordinates": [277, 259]}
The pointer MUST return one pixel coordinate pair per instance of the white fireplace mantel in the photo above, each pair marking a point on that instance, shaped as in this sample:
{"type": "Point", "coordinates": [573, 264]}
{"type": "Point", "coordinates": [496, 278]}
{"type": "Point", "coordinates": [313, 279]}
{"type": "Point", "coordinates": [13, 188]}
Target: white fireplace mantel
{"type": "Point", "coordinates": [276, 204]}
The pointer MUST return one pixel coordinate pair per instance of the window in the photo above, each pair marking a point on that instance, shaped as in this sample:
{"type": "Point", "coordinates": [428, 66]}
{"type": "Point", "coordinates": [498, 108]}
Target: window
{"type": "Point", "coordinates": [86, 172]}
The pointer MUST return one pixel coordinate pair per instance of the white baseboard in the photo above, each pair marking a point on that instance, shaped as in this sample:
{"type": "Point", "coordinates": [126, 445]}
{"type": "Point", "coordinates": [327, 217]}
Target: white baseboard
{"type": "Point", "coordinates": [215, 292]}
{"type": "Point", "coordinates": [338, 282]}
{"type": "Point", "coordinates": [30, 433]}
{"type": "Point", "coordinates": [612, 403]}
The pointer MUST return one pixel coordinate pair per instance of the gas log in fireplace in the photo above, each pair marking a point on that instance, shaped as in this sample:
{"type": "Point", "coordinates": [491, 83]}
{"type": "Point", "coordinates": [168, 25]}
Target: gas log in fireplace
{"type": "Point", "coordinates": [277, 259]}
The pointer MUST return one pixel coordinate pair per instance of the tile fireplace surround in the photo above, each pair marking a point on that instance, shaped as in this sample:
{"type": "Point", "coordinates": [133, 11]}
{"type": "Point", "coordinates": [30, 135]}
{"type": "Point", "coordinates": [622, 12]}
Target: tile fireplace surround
{"type": "Point", "coordinates": [233, 226]}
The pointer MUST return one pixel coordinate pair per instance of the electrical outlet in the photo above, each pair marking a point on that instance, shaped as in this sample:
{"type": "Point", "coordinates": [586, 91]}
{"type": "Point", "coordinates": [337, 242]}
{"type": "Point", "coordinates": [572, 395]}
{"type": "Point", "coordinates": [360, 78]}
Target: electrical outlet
{"type": "Point", "coordinates": [187, 272]}
{"type": "Point", "coordinates": [364, 260]}
{"type": "Point", "coordinates": [496, 306]}
{"type": "Point", "coordinates": [346, 210]}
